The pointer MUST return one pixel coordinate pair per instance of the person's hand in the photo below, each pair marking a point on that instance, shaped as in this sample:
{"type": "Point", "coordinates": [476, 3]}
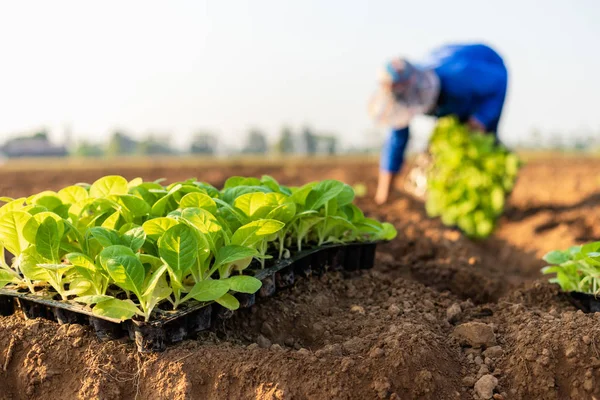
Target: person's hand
{"type": "Point", "coordinates": [475, 125]}
{"type": "Point", "coordinates": [381, 196]}
{"type": "Point", "coordinates": [384, 186]}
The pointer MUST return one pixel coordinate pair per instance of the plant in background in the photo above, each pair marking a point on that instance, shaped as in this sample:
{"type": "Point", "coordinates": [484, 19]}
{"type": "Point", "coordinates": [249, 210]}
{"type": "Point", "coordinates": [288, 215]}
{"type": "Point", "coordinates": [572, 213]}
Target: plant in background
{"type": "Point", "coordinates": [469, 178]}
{"type": "Point", "coordinates": [577, 268]}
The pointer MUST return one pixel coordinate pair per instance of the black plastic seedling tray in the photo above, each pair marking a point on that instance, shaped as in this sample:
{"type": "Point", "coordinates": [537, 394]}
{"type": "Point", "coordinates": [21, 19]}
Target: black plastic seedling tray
{"type": "Point", "coordinates": [586, 302]}
{"type": "Point", "coordinates": [192, 318]}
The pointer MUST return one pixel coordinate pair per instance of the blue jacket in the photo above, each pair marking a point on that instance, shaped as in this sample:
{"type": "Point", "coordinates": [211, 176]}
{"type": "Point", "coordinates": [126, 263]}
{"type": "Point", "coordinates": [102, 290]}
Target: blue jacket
{"type": "Point", "coordinates": [473, 81]}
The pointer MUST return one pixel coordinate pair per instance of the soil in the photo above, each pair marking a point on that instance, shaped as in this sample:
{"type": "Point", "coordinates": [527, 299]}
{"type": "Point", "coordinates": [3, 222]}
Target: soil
{"type": "Point", "coordinates": [438, 317]}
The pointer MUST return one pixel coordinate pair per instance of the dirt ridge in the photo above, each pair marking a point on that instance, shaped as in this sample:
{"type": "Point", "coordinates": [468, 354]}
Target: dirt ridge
{"type": "Point", "coordinates": [386, 333]}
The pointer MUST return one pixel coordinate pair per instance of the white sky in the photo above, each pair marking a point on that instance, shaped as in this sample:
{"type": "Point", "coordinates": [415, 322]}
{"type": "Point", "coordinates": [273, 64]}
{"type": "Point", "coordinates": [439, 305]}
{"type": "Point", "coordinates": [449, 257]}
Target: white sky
{"type": "Point", "coordinates": [177, 66]}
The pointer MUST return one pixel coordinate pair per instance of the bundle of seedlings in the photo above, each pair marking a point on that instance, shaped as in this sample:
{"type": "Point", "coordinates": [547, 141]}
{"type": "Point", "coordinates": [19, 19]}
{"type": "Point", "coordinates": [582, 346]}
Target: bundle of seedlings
{"type": "Point", "coordinates": [469, 178]}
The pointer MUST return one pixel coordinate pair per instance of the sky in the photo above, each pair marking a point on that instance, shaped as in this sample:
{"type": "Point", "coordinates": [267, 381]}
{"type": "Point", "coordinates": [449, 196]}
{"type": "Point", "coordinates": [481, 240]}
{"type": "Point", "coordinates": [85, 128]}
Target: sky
{"type": "Point", "coordinates": [176, 67]}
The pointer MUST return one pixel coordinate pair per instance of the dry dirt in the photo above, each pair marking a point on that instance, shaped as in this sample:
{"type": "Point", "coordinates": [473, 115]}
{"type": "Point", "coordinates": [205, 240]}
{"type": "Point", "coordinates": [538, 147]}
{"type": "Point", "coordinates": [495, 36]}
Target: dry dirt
{"type": "Point", "coordinates": [439, 317]}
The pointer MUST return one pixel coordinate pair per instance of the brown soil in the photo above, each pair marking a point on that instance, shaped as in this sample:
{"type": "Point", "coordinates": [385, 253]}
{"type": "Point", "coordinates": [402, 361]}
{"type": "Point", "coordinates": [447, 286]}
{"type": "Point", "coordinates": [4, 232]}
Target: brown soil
{"type": "Point", "coordinates": [384, 333]}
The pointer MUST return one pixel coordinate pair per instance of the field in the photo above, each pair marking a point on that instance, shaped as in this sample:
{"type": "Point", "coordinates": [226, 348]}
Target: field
{"type": "Point", "coordinates": [397, 331]}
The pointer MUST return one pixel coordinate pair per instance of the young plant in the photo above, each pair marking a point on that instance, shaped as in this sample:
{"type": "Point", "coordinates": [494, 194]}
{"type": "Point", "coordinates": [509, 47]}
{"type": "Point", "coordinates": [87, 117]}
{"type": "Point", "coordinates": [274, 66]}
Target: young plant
{"type": "Point", "coordinates": [178, 249]}
{"type": "Point", "coordinates": [576, 269]}
{"type": "Point", "coordinates": [128, 273]}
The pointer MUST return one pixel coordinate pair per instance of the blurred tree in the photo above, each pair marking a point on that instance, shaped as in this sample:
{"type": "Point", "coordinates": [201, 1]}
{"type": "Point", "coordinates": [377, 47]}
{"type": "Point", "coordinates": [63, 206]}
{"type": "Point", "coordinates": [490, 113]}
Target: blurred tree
{"type": "Point", "coordinates": [41, 135]}
{"type": "Point", "coordinates": [256, 143]}
{"type": "Point", "coordinates": [330, 144]}
{"type": "Point", "coordinates": [204, 143]}
{"type": "Point", "coordinates": [85, 149]}
{"type": "Point", "coordinates": [555, 141]}
{"type": "Point", "coordinates": [121, 144]}
{"type": "Point", "coordinates": [286, 142]}
{"type": "Point", "coordinates": [153, 146]}
{"type": "Point", "coordinates": [310, 141]}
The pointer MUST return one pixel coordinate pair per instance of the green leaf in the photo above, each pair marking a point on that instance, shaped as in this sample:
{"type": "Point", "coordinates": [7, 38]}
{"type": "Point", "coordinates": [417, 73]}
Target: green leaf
{"type": "Point", "coordinates": [47, 199]}
{"type": "Point", "coordinates": [12, 224]}
{"type": "Point", "coordinates": [166, 203]}
{"type": "Point", "coordinates": [228, 301]}
{"type": "Point", "coordinates": [94, 277]}
{"type": "Point", "coordinates": [271, 183]}
{"type": "Point", "coordinates": [13, 205]}
{"type": "Point", "coordinates": [31, 228]}
{"type": "Point", "coordinates": [78, 285]}
{"type": "Point", "coordinates": [306, 223]}
{"type": "Point", "coordinates": [230, 194]}
{"type": "Point", "coordinates": [324, 191]}
{"type": "Point", "coordinates": [109, 185]}
{"type": "Point", "coordinates": [556, 257]}
{"type": "Point", "coordinates": [300, 194]}
{"type": "Point", "coordinates": [156, 227]}
{"type": "Point", "coordinates": [127, 227]}
{"type": "Point", "coordinates": [244, 284]}
{"type": "Point", "coordinates": [236, 181]}
{"type": "Point", "coordinates": [28, 265]}
{"type": "Point", "coordinates": [388, 232]}
{"type": "Point", "coordinates": [144, 192]}
{"type": "Point", "coordinates": [7, 277]}
{"type": "Point", "coordinates": [590, 247]}
{"type": "Point", "coordinates": [47, 240]}
{"type": "Point", "coordinates": [346, 196]}
{"type": "Point", "coordinates": [106, 237]}
{"type": "Point", "coordinates": [497, 199]}
{"type": "Point", "coordinates": [354, 213]}
{"type": "Point", "coordinates": [232, 253]}
{"type": "Point", "coordinates": [231, 214]}
{"type": "Point", "coordinates": [112, 221]}
{"type": "Point", "coordinates": [161, 291]}
{"type": "Point", "coordinates": [206, 223]}
{"type": "Point", "coordinates": [134, 238]}
{"type": "Point", "coordinates": [127, 272]}
{"type": "Point", "coordinates": [153, 281]}
{"type": "Point", "coordinates": [116, 309]}
{"type": "Point", "coordinates": [198, 200]}
{"type": "Point", "coordinates": [151, 260]}
{"type": "Point", "coordinates": [34, 210]}
{"type": "Point", "coordinates": [135, 205]}
{"type": "Point", "coordinates": [255, 231]}
{"type": "Point", "coordinates": [113, 252]}
{"type": "Point", "coordinates": [258, 204]}
{"type": "Point", "coordinates": [208, 290]}
{"type": "Point", "coordinates": [135, 182]}
{"type": "Point", "coordinates": [284, 213]}
{"type": "Point", "coordinates": [178, 247]}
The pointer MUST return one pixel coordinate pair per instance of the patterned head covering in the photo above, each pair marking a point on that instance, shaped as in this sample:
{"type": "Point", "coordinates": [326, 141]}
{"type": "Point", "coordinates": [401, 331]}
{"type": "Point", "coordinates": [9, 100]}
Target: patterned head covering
{"type": "Point", "coordinates": [405, 91]}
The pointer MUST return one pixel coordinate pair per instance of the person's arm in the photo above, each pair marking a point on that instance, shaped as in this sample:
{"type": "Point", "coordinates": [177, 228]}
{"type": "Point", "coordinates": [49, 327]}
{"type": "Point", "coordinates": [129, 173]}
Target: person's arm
{"type": "Point", "coordinates": [476, 126]}
{"type": "Point", "coordinates": [490, 89]}
{"type": "Point", "coordinates": [392, 158]}
{"type": "Point", "coordinates": [486, 116]}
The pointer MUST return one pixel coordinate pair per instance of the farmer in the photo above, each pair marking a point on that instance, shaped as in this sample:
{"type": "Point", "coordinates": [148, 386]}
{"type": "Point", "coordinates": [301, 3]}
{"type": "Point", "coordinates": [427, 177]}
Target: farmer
{"type": "Point", "coordinates": [468, 81]}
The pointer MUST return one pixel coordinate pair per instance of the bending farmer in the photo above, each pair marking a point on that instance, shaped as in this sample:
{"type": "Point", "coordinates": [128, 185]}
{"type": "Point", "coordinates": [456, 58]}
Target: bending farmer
{"type": "Point", "coordinates": [468, 81]}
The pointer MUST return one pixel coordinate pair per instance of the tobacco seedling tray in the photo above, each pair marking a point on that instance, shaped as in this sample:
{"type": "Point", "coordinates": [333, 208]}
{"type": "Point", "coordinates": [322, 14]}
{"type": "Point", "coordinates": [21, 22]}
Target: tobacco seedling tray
{"type": "Point", "coordinates": [193, 317]}
{"type": "Point", "coordinates": [586, 302]}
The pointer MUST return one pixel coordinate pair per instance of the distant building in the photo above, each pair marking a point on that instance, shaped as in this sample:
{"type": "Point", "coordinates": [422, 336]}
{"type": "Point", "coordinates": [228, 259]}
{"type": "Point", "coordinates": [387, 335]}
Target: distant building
{"type": "Point", "coordinates": [37, 146]}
